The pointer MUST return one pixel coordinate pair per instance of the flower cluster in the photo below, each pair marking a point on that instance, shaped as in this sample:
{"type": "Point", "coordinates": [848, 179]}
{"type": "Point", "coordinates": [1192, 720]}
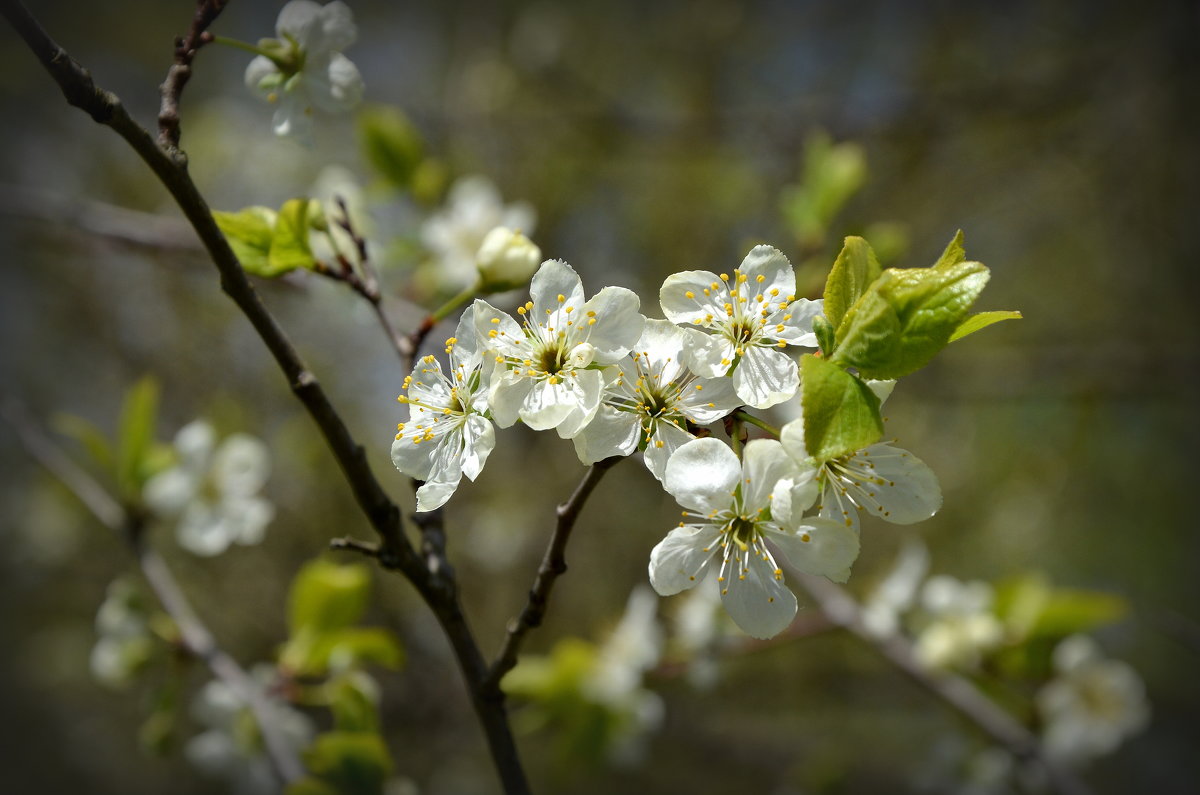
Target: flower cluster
{"type": "Point", "coordinates": [615, 383]}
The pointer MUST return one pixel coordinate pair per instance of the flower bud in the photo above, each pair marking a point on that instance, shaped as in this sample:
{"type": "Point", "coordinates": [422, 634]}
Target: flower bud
{"type": "Point", "coordinates": [582, 354]}
{"type": "Point", "coordinates": [506, 260]}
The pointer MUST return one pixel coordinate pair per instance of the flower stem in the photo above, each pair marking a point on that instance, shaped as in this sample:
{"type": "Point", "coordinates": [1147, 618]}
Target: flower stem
{"type": "Point", "coordinates": [750, 418]}
{"type": "Point", "coordinates": [455, 302]}
{"type": "Point", "coordinates": [247, 46]}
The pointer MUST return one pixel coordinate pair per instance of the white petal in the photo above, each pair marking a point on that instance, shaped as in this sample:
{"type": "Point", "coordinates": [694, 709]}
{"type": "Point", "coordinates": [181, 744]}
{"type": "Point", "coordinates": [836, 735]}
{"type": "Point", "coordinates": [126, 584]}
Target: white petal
{"type": "Point", "coordinates": [702, 475]}
{"type": "Point", "coordinates": [586, 388]}
{"type": "Point", "coordinates": [829, 550]}
{"type": "Point", "coordinates": [679, 560]}
{"type": "Point", "coordinates": [547, 405]}
{"type": "Point", "coordinates": [672, 438]}
{"type": "Point", "coordinates": [618, 324]}
{"type": "Point", "coordinates": [433, 494]}
{"type": "Point", "coordinates": [247, 518]}
{"type": "Point", "coordinates": [497, 331]}
{"type": "Point", "coordinates": [661, 349]}
{"type": "Point", "coordinates": [293, 117]}
{"type": "Point", "coordinates": [610, 433]}
{"type": "Point", "coordinates": [679, 308]}
{"type": "Point", "coordinates": [410, 457]}
{"type": "Point", "coordinates": [507, 395]}
{"type": "Point", "coordinates": [259, 69]}
{"type": "Point", "coordinates": [336, 86]}
{"type": "Point", "coordinates": [796, 322]}
{"type": "Point", "coordinates": [203, 531]}
{"type": "Point", "coordinates": [195, 442]}
{"type": "Point", "coordinates": [241, 465]}
{"type": "Point", "coordinates": [765, 377]}
{"type": "Point", "coordinates": [758, 602]}
{"type": "Point", "coordinates": [909, 491]}
{"type": "Point", "coordinates": [763, 465]}
{"type": "Point", "coordinates": [298, 19]}
{"type": "Point", "coordinates": [336, 26]}
{"type": "Point", "coordinates": [169, 491]}
{"type": "Point", "coordinates": [707, 355]}
{"type": "Point", "coordinates": [553, 279]}
{"type": "Point", "coordinates": [710, 402]}
{"type": "Point", "coordinates": [791, 436]}
{"type": "Point", "coordinates": [882, 389]}
{"type": "Point", "coordinates": [479, 439]}
{"type": "Point", "coordinates": [773, 266]}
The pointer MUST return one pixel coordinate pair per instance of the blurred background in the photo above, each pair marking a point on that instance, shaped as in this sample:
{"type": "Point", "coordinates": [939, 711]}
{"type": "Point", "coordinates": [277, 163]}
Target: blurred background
{"type": "Point", "coordinates": [648, 138]}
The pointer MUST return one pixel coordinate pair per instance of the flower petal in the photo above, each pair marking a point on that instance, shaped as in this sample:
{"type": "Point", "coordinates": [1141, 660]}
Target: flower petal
{"type": "Point", "coordinates": [764, 377]}
{"type": "Point", "coordinates": [610, 433]}
{"type": "Point", "coordinates": [585, 387]}
{"type": "Point", "coordinates": [411, 457]}
{"type": "Point", "coordinates": [298, 19]}
{"type": "Point", "coordinates": [794, 324]}
{"type": "Point", "coordinates": [703, 302]}
{"type": "Point", "coordinates": [773, 266]}
{"type": "Point", "coordinates": [707, 355]}
{"type": "Point", "coordinates": [678, 561]}
{"type": "Point", "coordinates": [479, 439]}
{"type": "Point", "coordinates": [672, 438]}
{"type": "Point", "coordinates": [555, 278]}
{"type": "Point", "coordinates": [907, 490]}
{"type": "Point", "coordinates": [757, 601]}
{"type": "Point", "coordinates": [336, 86]}
{"type": "Point", "coordinates": [708, 400]}
{"type": "Point", "coordinates": [702, 475]}
{"type": "Point", "coordinates": [618, 323]}
{"type": "Point", "coordinates": [507, 396]}
{"type": "Point", "coordinates": [763, 465]}
{"type": "Point", "coordinates": [821, 547]}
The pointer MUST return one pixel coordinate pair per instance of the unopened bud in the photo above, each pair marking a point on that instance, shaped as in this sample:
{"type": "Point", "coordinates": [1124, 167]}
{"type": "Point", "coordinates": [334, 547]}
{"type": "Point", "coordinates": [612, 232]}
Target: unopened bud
{"type": "Point", "coordinates": [506, 259]}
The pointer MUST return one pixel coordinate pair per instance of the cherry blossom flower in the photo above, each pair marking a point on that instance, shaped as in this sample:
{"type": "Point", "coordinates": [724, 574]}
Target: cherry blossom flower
{"type": "Point", "coordinates": [549, 369]}
{"type": "Point", "coordinates": [744, 320]}
{"type": "Point", "coordinates": [456, 233]}
{"type": "Point", "coordinates": [448, 433]}
{"type": "Point", "coordinates": [653, 399]}
{"type": "Point", "coordinates": [734, 508]}
{"type": "Point", "coordinates": [305, 66]}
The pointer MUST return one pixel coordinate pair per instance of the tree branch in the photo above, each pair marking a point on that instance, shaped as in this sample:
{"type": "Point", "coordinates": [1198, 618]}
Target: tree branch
{"type": "Point", "coordinates": [129, 525]}
{"type": "Point", "coordinates": [956, 691]}
{"type": "Point", "coordinates": [170, 166]}
{"type": "Point", "coordinates": [181, 71]}
{"type": "Point", "coordinates": [554, 563]}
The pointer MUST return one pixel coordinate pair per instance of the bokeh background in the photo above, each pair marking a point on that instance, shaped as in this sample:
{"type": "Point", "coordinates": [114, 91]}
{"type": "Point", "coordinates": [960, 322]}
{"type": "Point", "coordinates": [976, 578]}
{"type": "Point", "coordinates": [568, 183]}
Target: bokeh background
{"type": "Point", "coordinates": [650, 138]}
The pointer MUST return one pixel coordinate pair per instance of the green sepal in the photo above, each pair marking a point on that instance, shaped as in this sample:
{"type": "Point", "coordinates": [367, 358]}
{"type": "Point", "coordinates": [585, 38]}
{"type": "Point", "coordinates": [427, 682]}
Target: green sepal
{"type": "Point", "coordinates": [906, 317]}
{"type": "Point", "coordinates": [982, 320]}
{"type": "Point", "coordinates": [289, 245]}
{"type": "Point", "coordinates": [825, 334]}
{"type": "Point", "coordinates": [391, 144]}
{"type": "Point", "coordinates": [855, 268]}
{"type": "Point", "coordinates": [841, 413]}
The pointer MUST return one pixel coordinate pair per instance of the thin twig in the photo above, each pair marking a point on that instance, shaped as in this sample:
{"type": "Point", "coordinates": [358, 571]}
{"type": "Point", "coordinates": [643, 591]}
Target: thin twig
{"type": "Point", "coordinates": [367, 548]}
{"type": "Point", "coordinates": [170, 166]}
{"type": "Point", "coordinates": [554, 563]}
{"type": "Point", "coordinates": [129, 525]}
{"type": "Point", "coordinates": [181, 70]}
{"type": "Point", "coordinates": [955, 690]}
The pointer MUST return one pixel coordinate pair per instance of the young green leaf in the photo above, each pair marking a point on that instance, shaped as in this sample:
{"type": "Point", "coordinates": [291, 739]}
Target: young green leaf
{"type": "Point", "coordinates": [982, 320]}
{"type": "Point", "coordinates": [249, 232]}
{"type": "Point", "coordinates": [88, 435]}
{"type": "Point", "coordinates": [354, 763]}
{"type": "Point", "coordinates": [841, 413]}
{"type": "Point", "coordinates": [906, 317]}
{"type": "Point", "coordinates": [135, 434]}
{"type": "Point", "coordinates": [825, 334]}
{"type": "Point", "coordinates": [327, 596]}
{"type": "Point", "coordinates": [391, 144]}
{"type": "Point", "coordinates": [955, 252]}
{"type": "Point", "coordinates": [289, 247]}
{"type": "Point", "coordinates": [853, 272]}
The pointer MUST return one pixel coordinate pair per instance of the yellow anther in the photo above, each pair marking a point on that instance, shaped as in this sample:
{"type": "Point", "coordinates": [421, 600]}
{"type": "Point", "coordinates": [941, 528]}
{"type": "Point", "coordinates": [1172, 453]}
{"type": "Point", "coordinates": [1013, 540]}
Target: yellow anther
{"type": "Point", "coordinates": [499, 360]}
{"type": "Point", "coordinates": [774, 291]}
{"type": "Point", "coordinates": [553, 379]}
{"type": "Point", "coordinates": [591, 321]}
{"type": "Point", "coordinates": [493, 334]}
{"type": "Point", "coordinates": [741, 278]}
{"type": "Point", "coordinates": [760, 278]}
{"type": "Point", "coordinates": [402, 399]}
{"type": "Point", "coordinates": [690, 294]}
{"type": "Point", "coordinates": [716, 286]}
{"type": "Point", "coordinates": [724, 277]}
{"type": "Point", "coordinates": [520, 310]}
{"type": "Point", "coordinates": [699, 387]}
{"type": "Point", "coordinates": [569, 310]}
{"type": "Point", "coordinates": [561, 298]}
{"type": "Point", "coordinates": [805, 537]}
{"type": "Point", "coordinates": [781, 344]}
{"type": "Point", "coordinates": [495, 320]}
{"type": "Point", "coordinates": [658, 443]}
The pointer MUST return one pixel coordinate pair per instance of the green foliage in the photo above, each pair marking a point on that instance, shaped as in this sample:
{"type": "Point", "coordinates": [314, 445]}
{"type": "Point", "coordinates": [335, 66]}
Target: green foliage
{"type": "Point", "coordinates": [1031, 608]}
{"type": "Point", "coordinates": [345, 763]}
{"type": "Point", "coordinates": [391, 144]}
{"type": "Point", "coordinates": [982, 320]}
{"type": "Point", "coordinates": [135, 436]}
{"type": "Point", "coordinates": [854, 270]}
{"type": "Point", "coordinates": [906, 317]}
{"type": "Point", "coordinates": [841, 413]}
{"type": "Point", "coordinates": [832, 174]}
{"type": "Point", "coordinates": [270, 243]}
{"type": "Point", "coordinates": [352, 699]}
{"type": "Point", "coordinates": [825, 334]}
{"type": "Point", "coordinates": [91, 438]}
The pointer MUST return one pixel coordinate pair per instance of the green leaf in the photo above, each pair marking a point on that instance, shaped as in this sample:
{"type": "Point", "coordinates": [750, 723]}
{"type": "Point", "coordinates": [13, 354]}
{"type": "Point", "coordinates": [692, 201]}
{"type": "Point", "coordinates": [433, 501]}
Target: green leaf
{"type": "Point", "coordinates": [391, 144]}
{"type": "Point", "coordinates": [249, 232]}
{"type": "Point", "coordinates": [289, 247]}
{"type": "Point", "coordinates": [328, 596]}
{"type": "Point", "coordinates": [90, 437]}
{"type": "Point", "coordinates": [353, 703]}
{"type": "Point", "coordinates": [135, 434]}
{"type": "Point", "coordinates": [313, 652]}
{"type": "Point", "coordinates": [906, 317]}
{"type": "Point", "coordinates": [832, 174]}
{"type": "Point", "coordinates": [841, 413]}
{"type": "Point", "coordinates": [353, 763]}
{"type": "Point", "coordinates": [982, 320]}
{"type": "Point", "coordinates": [825, 334]}
{"type": "Point", "coordinates": [954, 253]}
{"type": "Point", "coordinates": [1071, 611]}
{"type": "Point", "coordinates": [853, 272]}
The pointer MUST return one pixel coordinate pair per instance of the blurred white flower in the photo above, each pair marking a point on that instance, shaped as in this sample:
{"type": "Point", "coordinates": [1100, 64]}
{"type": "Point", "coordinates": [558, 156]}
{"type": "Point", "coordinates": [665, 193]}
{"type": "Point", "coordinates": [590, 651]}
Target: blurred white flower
{"type": "Point", "coordinates": [232, 747]}
{"type": "Point", "coordinates": [455, 233]}
{"type": "Point", "coordinates": [962, 625]}
{"type": "Point", "coordinates": [698, 627]}
{"type": "Point", "coordinates": [306, 67]}
{"type": "Point", "coordinates": [214, 493]}
{"type": "Point", "coordinates": [895, 595]}
{"type": "Point", "coordinates": [1093, 705]}
{"type": "Point", "coordinates": [124, 642]}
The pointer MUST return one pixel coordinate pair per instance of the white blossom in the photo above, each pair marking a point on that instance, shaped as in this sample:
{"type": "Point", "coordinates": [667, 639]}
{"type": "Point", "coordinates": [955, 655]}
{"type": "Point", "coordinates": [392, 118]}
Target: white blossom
{"type": "Point", "coordinates": [744, 323]}
{"type": "Point", "coordinates": [213, 492]}
{"type": "Point", "coordinates": [961, 624]}
{"type": "Point", "coordinates": [306, 67]}
{"type": "Point", "coordinates": [733, 510]}
{"type": "Point", "coordinates": [455, 234]}
{"type": "Point", "coordinates": [895, 595]}
{"type": "Point", "coordinates": [1093, 705]}
{"type": "Point", "coordinates": [549, 369]}
{"type": "Point", "coordinates": [651, 402]}
{"type": "Point", "coordinates": [506, 259]}
{"type": "Point", "coordinates": [448, 433]}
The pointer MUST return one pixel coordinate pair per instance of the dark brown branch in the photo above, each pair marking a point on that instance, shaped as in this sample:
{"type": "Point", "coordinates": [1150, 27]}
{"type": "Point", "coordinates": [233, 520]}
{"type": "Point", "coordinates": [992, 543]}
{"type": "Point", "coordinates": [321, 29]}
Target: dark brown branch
{"type": "Point", "coordinates": [956, 691]}
{"type": "Point", "coordinates": [129, 525]}
{"type": "Point", "coordinates": [554, 563]}
{"type": "Point", "coordinates": [181, 71]}
{"type": "Point", "coordinates": [170, 166]}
